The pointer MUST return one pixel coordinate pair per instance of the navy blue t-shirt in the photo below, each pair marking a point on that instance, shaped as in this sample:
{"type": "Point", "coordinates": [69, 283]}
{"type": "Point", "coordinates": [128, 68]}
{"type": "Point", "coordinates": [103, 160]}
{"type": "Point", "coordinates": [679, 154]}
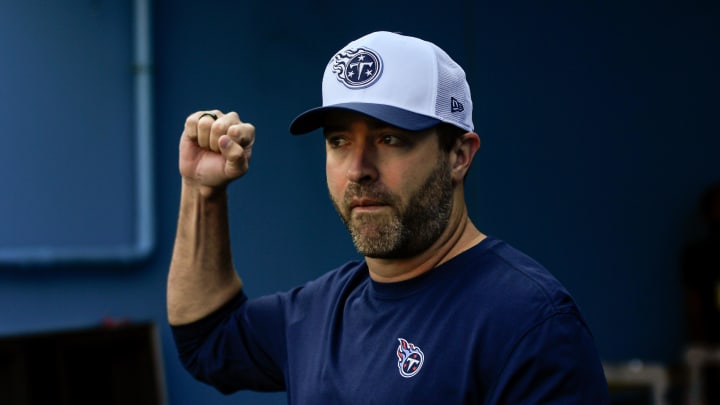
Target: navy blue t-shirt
{"type": "Point", "coordinates": [490, 326]}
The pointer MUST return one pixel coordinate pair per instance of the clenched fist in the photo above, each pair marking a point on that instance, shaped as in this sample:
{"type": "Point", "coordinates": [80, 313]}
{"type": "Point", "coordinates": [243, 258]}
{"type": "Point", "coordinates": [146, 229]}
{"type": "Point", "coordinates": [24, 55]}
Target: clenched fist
{"type": "Point", "coordinates": [214, 152]}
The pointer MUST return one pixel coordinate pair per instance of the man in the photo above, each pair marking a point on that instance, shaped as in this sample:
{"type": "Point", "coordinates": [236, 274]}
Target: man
{"type": "Point", "coordinates": [437, 313]}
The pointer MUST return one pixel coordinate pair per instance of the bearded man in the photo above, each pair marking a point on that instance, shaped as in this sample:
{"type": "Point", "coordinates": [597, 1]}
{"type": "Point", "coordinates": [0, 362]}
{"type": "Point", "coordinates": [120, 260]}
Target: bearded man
{"type": "Point", "coordinates": [436, 313]}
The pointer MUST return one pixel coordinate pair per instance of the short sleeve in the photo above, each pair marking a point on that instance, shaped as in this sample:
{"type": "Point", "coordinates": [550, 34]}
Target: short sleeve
{"type": "Point", "coordinates": [555, 362]}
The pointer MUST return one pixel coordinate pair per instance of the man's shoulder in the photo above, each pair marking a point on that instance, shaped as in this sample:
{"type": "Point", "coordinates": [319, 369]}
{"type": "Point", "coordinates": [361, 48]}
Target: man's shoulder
{"type": "Point", "coordinates": [514, 281]}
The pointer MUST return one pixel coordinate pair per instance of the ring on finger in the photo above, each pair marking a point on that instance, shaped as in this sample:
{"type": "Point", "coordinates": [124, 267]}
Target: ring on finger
{"type": "Point", "coordinates": [208, 114]}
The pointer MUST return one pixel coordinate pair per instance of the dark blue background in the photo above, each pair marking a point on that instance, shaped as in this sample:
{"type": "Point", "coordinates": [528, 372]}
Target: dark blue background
{"type": "Point", "coordinates": [599, 130]}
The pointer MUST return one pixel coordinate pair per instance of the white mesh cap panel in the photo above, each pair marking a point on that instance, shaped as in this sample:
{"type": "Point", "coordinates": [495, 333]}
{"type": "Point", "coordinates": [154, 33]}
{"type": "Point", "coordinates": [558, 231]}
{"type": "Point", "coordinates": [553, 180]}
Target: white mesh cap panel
{"type": "Point", "coordinates": [453, 103]}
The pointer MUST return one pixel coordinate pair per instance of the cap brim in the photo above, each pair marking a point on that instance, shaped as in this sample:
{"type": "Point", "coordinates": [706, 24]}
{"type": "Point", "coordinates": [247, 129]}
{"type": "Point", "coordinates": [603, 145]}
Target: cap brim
{"type": "Point", "coordinates": [315, 118]}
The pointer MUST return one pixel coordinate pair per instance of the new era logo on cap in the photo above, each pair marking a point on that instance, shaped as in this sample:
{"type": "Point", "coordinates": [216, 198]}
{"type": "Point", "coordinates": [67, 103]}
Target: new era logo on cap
{"type": "Point", "coordinates": [456, 106]}
{"type": "Point", "coordinates": [403, 81]}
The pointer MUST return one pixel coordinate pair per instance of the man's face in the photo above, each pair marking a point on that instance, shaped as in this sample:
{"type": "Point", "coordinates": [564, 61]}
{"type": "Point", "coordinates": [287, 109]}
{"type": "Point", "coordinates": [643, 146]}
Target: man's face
{"type": "Point", "coordinates": [391, 187]}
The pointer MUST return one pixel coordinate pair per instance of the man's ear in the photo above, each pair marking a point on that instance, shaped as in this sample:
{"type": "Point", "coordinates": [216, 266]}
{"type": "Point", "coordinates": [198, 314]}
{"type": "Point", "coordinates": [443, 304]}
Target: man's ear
{"type": "Point", "coordinates": [462, 155]}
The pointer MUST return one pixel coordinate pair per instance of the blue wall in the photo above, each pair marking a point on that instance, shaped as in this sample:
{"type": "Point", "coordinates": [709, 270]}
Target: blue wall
{"type": "Point", "coordinates": [598, 126]}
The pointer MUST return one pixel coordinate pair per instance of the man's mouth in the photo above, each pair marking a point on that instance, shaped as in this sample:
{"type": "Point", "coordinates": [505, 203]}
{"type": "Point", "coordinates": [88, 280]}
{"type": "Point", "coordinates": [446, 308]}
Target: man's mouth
{"type": "Point", "coordinates": [365, 204]}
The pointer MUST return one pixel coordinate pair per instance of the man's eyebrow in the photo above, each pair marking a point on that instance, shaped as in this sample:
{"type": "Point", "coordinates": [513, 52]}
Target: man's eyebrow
{"type": "Point", "coordinates": [372, 125]}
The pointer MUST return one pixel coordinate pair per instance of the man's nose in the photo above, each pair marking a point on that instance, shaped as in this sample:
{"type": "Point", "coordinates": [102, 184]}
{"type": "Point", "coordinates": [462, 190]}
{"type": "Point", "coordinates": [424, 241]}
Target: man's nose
{"type": "Point", "coordinates": [362, 165]}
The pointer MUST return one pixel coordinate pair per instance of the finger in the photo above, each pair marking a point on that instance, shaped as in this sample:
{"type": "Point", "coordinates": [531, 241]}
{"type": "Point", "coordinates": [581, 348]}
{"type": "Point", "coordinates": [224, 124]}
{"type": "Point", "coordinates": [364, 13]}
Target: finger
{"type": "Point", "coordinates": [243, 134]}
{"type": "Point", "coordinates": [204, 122]}
{"type": "Point", "coordinates": [190, 130]}
{"type": "Point", "coordinates": [220, 128]}
{"type": "Point", "coordinates": [236, 159]}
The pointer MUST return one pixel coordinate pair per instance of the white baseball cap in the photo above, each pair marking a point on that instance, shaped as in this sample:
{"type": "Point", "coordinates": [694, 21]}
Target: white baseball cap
{"type": "Point", "coordinates": [401, 80]}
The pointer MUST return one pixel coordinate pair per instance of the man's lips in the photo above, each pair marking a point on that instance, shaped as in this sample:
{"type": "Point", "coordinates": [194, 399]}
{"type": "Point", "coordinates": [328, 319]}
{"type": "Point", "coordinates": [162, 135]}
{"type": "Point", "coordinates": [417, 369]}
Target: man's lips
{"type": "Point", "coordinates": [365, 203]}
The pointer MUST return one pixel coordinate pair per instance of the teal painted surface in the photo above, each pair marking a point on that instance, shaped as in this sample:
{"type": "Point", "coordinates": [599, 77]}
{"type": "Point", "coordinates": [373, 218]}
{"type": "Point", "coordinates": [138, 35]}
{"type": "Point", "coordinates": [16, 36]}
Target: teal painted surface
{"type": "Point", "coordinates": [599, 132]}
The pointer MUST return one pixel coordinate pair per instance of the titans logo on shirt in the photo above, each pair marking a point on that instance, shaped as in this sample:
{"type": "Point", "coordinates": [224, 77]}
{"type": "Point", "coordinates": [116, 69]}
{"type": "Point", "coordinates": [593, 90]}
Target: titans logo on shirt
{"type": "Point", "coordinates": [410, 358]}
{"type": "Point", "coordinates": [357, 68]}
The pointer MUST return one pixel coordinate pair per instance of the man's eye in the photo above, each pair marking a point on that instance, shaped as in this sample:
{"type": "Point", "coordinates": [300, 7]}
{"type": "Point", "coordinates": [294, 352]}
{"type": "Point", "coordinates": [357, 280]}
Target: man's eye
{"type": "Point", "coordinates": [391, 140]}
{"type": "Point", "coordinates": [335, 141]}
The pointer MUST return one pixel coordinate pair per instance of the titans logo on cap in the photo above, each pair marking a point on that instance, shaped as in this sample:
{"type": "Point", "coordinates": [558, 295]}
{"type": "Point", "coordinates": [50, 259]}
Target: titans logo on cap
{"type": "Point", "coordinates": [357, 68]}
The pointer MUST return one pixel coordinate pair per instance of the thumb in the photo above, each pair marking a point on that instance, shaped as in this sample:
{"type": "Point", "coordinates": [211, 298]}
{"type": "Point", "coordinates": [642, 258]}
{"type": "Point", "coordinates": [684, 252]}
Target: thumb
{"type": "Point", "coordinates": [237, 158]}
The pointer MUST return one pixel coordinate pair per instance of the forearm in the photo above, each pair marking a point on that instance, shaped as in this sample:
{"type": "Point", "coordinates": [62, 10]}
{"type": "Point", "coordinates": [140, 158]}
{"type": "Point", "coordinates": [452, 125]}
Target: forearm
{"type": "Point", "coordinates": [202, 276]}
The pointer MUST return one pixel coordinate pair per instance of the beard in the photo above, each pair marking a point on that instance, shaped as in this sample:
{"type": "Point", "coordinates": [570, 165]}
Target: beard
{"type": "Point", "coordinates": [406, 230]}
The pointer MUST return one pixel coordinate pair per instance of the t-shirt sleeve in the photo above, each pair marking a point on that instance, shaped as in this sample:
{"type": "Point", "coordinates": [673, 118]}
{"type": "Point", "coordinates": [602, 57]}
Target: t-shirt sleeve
{"type": "Point", "coordinates": [239, 346]}
{"type": "Point", "coordinates": [554, 363]}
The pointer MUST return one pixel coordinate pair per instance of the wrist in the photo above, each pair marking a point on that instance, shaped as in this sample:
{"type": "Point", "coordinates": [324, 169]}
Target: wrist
{"type": "Point", "coordinates": [203, 191]}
